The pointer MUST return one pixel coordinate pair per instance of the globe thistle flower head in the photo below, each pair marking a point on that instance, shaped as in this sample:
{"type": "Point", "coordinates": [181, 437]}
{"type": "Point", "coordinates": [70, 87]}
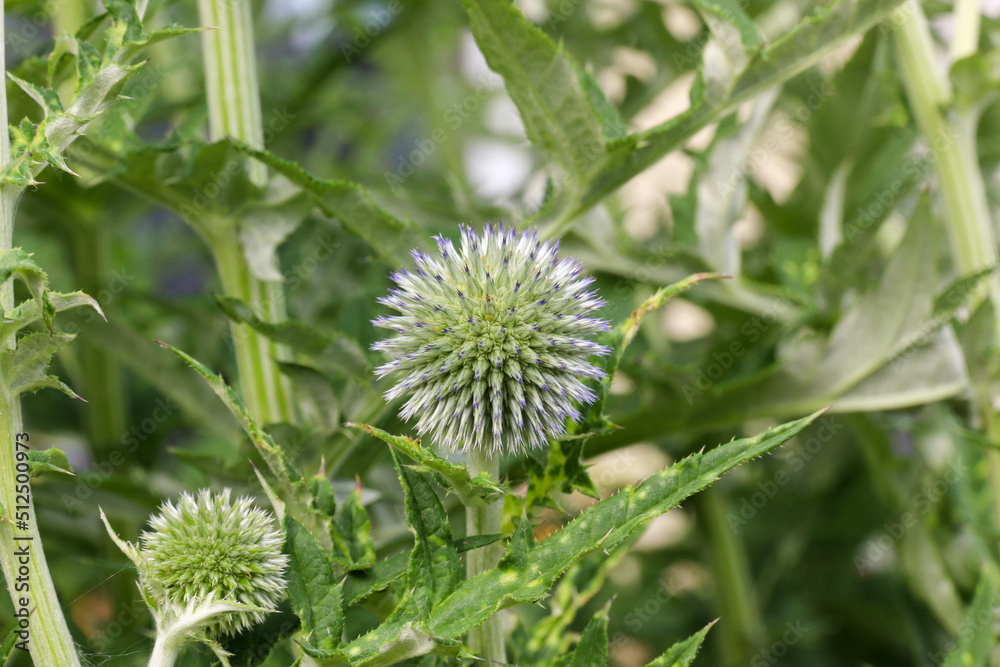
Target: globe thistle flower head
{"type": "Point", "coordinates": [207, 548]}
{"type": "Point", "coordinates": [492, 341]}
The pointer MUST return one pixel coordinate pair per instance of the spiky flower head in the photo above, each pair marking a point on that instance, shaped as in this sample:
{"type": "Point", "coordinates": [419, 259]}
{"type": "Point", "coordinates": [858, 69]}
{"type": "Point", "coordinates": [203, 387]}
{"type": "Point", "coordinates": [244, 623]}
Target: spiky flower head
{"type": "Point", "coordinates": [207, 548]}
{"type": "Point", "coordinates": [492, 341]}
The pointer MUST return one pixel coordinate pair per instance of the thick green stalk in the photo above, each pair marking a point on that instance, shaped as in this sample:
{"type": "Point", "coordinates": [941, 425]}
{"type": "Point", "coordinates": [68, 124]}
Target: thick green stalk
{"type": "Point", "coordinates": [486, 641]}
{"type": "Point", "coordinates": [265, 389]}
{"type": "Point", "coordinates": [165, 651]}
{"type": "Point", "coordinates": [953, 143]}
{"type": "Point", "coordinates": [952, 139]}
{"type": "Point", "coordinates": [234, 111]}
{"type": "Point", "coordinates": [49, 640]}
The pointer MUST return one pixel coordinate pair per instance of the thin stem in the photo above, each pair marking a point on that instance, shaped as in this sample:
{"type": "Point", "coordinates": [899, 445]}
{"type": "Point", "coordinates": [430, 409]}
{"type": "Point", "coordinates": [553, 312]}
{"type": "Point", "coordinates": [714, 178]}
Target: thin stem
{"type": "Point", "coordinates": [486, 641]}
{"type": "Point", "coordinates": [48, 635]}
{"type": "Point", "coordinates": [103, 382]}
{"type": "Point", "coordinates": [738, 607]}
{"type": "Point", "coordinates": [234, 111]}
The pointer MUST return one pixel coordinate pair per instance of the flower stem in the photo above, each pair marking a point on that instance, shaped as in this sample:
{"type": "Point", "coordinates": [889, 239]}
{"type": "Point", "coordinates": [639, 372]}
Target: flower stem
{"type": "Point", "coordinates": [48, 635]}
{"type": "Point", "coordinates": [486, 641]}
{"type": "Point", "coordinates": [234, 111]}
{"type": "Point", "coordinates": [165, 651]}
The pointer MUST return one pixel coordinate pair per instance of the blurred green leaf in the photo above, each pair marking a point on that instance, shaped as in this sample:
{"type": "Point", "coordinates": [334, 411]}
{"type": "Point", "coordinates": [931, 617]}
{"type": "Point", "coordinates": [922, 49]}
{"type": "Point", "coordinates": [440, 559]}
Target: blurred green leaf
{"type": "Point", "coordinates": [793, 53]}
{"type": "Point", "coordinates": [592, 650]}
{"type": "Point", "coordinates": [557, 113]}
{"type": "Point", "coordinates": [682, 653]}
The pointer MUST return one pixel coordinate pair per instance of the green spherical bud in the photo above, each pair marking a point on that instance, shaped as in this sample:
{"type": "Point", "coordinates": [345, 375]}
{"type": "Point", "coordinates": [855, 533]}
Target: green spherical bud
{"type": "Point", "coordinates": [207, 548]}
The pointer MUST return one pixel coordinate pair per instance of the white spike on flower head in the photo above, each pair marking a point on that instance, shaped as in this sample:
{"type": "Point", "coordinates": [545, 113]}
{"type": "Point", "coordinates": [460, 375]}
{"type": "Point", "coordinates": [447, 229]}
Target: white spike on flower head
{"type": "Point", "coordinates": [492, 341]}
{"type": "Point", "coordinates": [206, 548]}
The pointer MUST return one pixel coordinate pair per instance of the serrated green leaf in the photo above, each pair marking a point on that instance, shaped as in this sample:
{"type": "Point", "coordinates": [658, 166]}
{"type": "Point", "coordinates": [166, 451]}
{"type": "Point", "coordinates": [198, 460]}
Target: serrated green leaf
{"type": "Point", "coordinates": [126, 13]}
{"type": "Point", "coordinates": [29, 312]}
{"type": "Point", "coordinates": [682, 653]}
{"type": "Point", "coordinates": [434, 568]}
{"type": "Point", "coordinates": [322, 495]}
{"type": "Point", "coordinates": [529, 569]}
{"type": "Point", "coordinates": [291, 489]}
{"type": "Point", "coordinates": [24, 368]}
{"type": "Point", "coordinates": [392, 642]}
{"type": "Point", "coordinates": [592, 650]}
{"type": "Point", "coordinates": [541, 80]}
{"type": "Point", "coordinates": [88, 64]}
{"type": "Point", "coordinates": [563, 469]}
{"type": "Point", "coordinates": [362, 583]}
{"type": "Point", "coordinates": [355, 545]}
{"type": "Point", "coordinates": [90, 101]}
{"type": "Point", "coordinates": [471, 490]}
{"type": "Point", "coordinates": [132, 48]}
{"type": "Point", "coordinates": [390, 238]}
{"type": "Point", "coordinates": [46, 98]}
{"type": "Point", "coordinates": [16, 263]}
{"type": "Point", "coordinates": [316, 595]}
{"type": "Point", "coordinates": [48, 460]}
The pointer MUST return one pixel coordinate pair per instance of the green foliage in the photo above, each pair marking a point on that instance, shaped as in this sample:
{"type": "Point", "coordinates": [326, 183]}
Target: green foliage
{"type": "Point", "coordinates": [316, 595]}
{"type": "Point", "coordinates": [48, 460]}
{"type": "Point", "coordinates": [795, 168]}
{"type": "Point", "coordinates": [682, 653]}
{"type": "Point", "coordinates": [470, 490]}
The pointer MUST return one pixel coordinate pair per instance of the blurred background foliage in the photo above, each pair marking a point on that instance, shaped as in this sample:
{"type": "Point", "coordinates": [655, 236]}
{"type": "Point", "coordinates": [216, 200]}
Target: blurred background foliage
{"type": "Point", "coordinates": [857, 544]}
